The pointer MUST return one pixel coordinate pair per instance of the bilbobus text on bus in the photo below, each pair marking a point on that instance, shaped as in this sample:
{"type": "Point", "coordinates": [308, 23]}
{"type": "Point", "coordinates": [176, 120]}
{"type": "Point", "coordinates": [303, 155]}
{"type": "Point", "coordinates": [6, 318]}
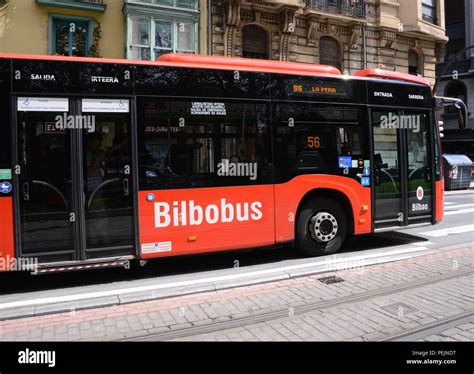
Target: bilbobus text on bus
{"type": "Point", "coordinates": [106, 161]}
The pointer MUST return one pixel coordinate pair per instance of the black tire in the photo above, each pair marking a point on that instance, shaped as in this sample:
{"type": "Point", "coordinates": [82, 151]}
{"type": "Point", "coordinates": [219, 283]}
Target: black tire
{"type": "Point", "coordinates": [329, 235]}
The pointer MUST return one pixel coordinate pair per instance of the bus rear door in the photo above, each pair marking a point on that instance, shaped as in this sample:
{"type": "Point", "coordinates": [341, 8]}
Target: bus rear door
{"type": "Point", "coordinates": [403, 183]}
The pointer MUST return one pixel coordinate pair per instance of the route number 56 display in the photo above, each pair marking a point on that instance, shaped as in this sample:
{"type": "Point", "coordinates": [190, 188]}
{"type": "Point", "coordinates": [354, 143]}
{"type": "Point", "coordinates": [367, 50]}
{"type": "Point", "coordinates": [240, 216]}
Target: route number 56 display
{"type": "Point", "coordinates": [314, 142]}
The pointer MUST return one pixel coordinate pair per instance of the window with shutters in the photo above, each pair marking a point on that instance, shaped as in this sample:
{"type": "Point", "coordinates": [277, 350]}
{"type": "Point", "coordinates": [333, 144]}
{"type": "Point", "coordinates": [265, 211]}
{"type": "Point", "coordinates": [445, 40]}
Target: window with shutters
{"type": "Point", "coordinates": [329, 52]}
{"type": "Point", "coordinates": [254, 42]}
{"type": "Point", "coordinates": [415, 63]}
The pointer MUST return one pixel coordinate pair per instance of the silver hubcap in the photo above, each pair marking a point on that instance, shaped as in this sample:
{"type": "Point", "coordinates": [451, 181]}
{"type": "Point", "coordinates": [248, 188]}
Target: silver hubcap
{"type": "Point", "coordinates": [324, 227]}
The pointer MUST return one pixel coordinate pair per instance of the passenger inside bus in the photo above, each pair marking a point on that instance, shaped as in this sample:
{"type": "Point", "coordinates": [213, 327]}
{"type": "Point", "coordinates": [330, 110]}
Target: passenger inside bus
{"type": "Point", "coordinates": [182, 155]}
{"type": "Point", "coordinates": [118, 156]}
{"type": "Point", "coordinates": [95, 156]}
{"type": "Point", "coordinates": [40, 157]}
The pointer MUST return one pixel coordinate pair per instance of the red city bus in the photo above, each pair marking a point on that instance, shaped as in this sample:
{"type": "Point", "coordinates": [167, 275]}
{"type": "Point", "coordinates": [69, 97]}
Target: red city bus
{"type": "Point", "coordinates": [107, 161]}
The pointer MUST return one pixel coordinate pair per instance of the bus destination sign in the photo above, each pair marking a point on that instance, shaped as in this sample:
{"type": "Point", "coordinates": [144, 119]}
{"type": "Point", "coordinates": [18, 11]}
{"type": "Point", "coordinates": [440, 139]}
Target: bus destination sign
{"type": "Point", "coordinates": [327, 89]}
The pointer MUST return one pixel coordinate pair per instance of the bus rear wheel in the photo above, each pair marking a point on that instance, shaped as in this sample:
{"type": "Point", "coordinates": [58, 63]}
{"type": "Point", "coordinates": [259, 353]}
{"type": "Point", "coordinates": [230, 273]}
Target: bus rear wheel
{"type": "Point", "coordinates": [321, 227]}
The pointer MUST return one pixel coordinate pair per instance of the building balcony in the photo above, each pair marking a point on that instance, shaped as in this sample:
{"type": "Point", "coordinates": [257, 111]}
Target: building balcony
{"type": "Point", "coordinates": [87, 5]}
{"type": "Point", "coordinates": [461, 67]}
{"type": "Point", "coordinates": [346, 8]}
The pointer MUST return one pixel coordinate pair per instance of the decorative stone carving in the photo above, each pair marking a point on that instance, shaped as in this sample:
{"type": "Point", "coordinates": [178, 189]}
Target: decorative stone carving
{"type": "Point", "coordinates": [332, 28]}
{"type": "Point", "coordinates": [387, 43]}
{"type": "Point", "coordinates": [287, 20]}
{"type": "Point", "coordinates": [388, 40]}
{"type": "Point", "coordinates": [258, 16]}
{"type": "Point", "coordinates": [313, 31]}
{"type": "Point", "coordinates": [440, 51]}
{"type": "Point", "coordinates": [232, 22]}
{"type": "Point", "coordinates": [355, 36]}
{"type": "Point", "coordinates": [284, 46]}
{"type": "Point", "coordinates": [287, 27]}
{"type": "Point", "coordinates": [232, 12]}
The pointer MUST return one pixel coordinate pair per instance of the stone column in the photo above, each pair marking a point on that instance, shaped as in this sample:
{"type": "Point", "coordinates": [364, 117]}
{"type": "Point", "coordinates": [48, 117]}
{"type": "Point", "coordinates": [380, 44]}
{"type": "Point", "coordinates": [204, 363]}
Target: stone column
{"type": "Point", "coordinates": [287, 28]}
{"type": "Point", "coordinates": [232, 25]}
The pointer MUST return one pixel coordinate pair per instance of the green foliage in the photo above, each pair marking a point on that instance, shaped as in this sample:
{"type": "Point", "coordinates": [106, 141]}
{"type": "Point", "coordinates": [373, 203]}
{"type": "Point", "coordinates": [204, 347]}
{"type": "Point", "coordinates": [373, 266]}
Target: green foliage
{"type": "Point", "coordinates": [96, 37]}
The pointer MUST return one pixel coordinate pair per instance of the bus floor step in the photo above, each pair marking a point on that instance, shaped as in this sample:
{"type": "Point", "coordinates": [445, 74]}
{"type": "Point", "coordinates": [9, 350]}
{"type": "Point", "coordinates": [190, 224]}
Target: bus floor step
{"type": "Point", "coordinates": [79, 267]}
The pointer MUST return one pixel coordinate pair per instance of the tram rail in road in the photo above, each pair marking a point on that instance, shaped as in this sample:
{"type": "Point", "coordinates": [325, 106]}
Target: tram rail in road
{"type": "Point", "coordinates": [432, 328]}
{"type": "Point", "coordinates": [220, 326]}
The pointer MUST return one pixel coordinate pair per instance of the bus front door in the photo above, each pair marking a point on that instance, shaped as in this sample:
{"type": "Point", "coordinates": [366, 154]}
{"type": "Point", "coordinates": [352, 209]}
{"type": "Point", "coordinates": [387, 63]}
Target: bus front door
{"type": "Point", "coordinates": [44, 176]}
{"type": "Point", "coordinates": [107, 174]}
{"type": "Point", "coordinates": [74, 169]}
{"type": "Point", "coordinates": [402, 176]}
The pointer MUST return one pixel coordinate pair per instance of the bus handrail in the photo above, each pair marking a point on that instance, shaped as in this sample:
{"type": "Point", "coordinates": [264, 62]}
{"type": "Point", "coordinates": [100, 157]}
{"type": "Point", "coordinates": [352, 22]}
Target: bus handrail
{"type": "Point", "coordinates": [391, 178]}
{"type": "Point", "coordinates": [103, 184]}
{"type": "Point", "coordinates": [55, 189]}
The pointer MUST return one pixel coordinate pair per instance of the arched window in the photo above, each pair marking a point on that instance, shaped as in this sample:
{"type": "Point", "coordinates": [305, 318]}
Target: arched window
{"type": "Point", "coordinates": [254, 42]}
{"type": "Point", "coordinates": [329, 52]}
{"type": "Point", "coordinates": [457, 90]}
{"type": "Point", "coordinates": [414, 63]}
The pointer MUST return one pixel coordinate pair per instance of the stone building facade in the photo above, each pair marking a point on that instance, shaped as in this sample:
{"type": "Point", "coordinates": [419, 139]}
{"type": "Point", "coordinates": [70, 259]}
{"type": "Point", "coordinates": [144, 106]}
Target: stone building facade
{"type": "Point", "coordinates": [402, 35]}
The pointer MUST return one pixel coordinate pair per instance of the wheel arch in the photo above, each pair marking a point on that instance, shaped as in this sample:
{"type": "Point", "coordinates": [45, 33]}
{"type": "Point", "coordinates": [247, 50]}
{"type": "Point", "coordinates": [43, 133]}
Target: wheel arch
{"type": "Point", "coordinates": [335, 195]}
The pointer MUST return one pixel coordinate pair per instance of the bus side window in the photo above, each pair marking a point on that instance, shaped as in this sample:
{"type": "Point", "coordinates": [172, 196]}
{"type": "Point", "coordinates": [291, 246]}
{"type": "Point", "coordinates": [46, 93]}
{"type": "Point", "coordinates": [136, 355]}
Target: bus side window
{"type": "Point", "coordinates": [153, 144]}
{"type": "Point", "coordinates": [317, 138]}
{"type": "Point", "coordinates": [349, 141]}
{"type": "Point", "coordinates": [197, 144]}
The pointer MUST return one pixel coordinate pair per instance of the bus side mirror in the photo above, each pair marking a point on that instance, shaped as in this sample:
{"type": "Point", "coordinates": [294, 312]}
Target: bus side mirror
{"type": "Point", "coordinates": [462, 113]}
{"type": "Point", "coordinates": [442, 103]}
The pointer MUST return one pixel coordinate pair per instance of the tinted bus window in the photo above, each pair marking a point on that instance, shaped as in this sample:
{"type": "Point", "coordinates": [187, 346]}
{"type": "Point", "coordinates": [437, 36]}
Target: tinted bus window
{"type": "Point", "coordinates": [201, 143]}
{"type": "Point", "coordinates": [169, 81]}
{"type": "Point", "coordinates": [311, 139]}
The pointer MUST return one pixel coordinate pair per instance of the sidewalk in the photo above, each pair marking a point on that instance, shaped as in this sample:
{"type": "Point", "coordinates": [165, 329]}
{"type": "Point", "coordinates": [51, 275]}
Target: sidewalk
{"type": "Point", "coordinates": [372, 318]}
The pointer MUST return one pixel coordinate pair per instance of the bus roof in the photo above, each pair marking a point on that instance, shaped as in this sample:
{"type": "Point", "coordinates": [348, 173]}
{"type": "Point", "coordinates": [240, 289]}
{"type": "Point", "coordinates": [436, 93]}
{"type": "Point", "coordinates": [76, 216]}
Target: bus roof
{"type": "Point", "coordinates": [237, 63]}
{"type": "Point", "coordinates": [392, 75]}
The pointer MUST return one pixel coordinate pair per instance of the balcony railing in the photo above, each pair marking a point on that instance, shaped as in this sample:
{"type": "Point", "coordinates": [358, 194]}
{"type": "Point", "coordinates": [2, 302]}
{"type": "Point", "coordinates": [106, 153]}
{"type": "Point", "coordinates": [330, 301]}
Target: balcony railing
{"type": "Point", "coordinates": [349, 8]}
